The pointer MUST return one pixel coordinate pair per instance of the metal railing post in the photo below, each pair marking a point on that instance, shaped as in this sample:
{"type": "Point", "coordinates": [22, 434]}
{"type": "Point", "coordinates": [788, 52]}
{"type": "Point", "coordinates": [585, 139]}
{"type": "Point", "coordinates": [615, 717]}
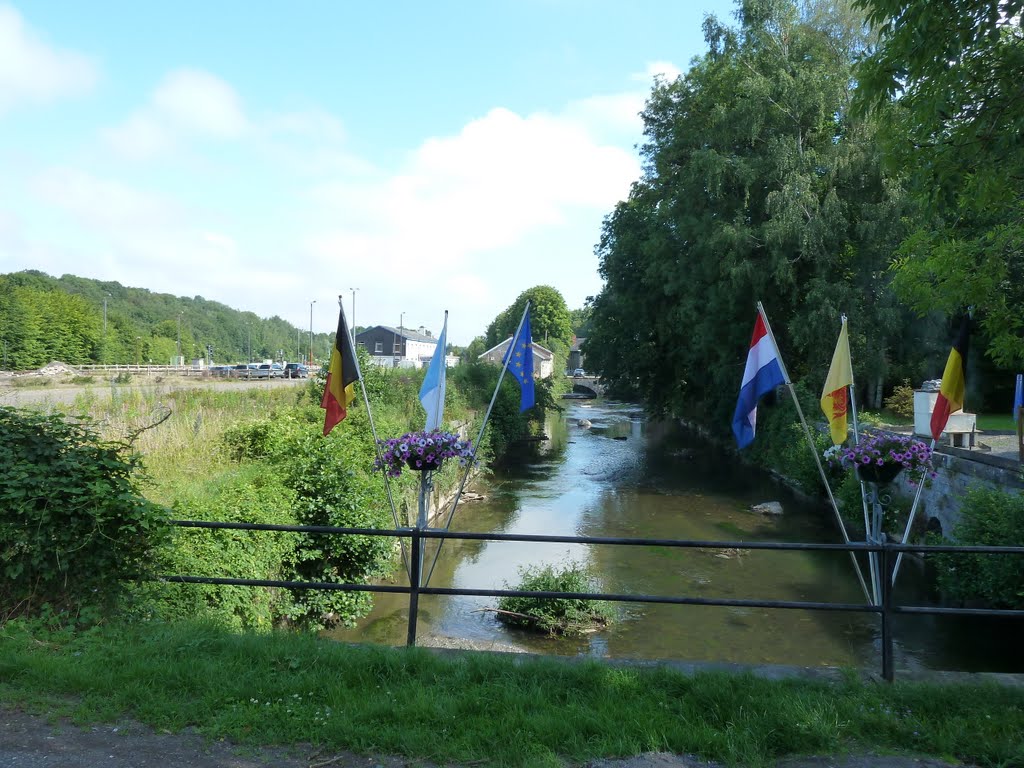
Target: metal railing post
{"type": "Point", "coordinates": [887, 641]}
{"type": "Point", "coordinates": [415, 565]}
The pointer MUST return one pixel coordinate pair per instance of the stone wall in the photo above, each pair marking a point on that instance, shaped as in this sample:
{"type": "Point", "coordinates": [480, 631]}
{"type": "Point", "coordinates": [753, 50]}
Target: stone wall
{"type": "Point", "coordinates": [959, 470]}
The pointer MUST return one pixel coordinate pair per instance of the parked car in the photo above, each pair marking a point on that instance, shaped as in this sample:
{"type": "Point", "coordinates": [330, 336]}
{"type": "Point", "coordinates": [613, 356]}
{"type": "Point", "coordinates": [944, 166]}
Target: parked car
{"type": "Point", "coordinates": [296, 371]}
{"type": "Point", "coordinates": [269, 370]}
{"type": "Point", "coordinates": [578, 372]}
{"type": "Point", "coordinates": [241, 371]}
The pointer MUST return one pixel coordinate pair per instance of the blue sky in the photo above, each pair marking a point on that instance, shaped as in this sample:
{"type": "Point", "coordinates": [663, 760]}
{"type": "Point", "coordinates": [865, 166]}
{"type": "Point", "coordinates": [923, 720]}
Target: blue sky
{"type": "Point", "coordinates": [443, 155]}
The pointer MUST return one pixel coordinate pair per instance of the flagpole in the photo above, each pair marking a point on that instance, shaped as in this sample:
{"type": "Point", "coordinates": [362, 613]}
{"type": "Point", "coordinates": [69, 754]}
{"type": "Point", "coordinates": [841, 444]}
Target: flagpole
{"type": "Point", "coordinates": [479, 437]}
{"type": "Point", "coordinates": [873, 563]}
{"type": "Point", "coordinates": [814, 450]}
{"type": "Point", "coordinates": [910, 519]}
{"type": "Point", "coordinates": [439, 402]}
{"type": "Point", "coordinates": [373, 431]}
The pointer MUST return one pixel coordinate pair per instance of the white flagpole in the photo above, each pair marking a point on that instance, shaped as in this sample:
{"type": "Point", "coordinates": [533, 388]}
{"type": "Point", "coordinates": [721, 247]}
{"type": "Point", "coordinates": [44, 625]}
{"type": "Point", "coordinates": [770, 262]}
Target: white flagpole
{"type": "Point", "coordinates": [479, 437]}
{"type": "Point", "coordinates": [910, 519]}
{"type": "Point", "coordinates": [814, 450]}
{"type": "Point", "coordinates": [873, 562]}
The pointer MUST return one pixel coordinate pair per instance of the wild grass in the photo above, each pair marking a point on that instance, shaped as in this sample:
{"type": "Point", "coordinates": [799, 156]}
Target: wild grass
{"type": "Point", "coordinates": [178, 431]}
{"type": "Point", "coordinates": [485, 708]}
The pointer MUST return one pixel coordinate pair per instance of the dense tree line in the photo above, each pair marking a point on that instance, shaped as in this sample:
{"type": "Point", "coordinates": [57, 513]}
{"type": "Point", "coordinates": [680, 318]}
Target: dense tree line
{"type": "Point", "coordinates": [761, 182]}
{"type": "Point", "coordinates": [80, 321]}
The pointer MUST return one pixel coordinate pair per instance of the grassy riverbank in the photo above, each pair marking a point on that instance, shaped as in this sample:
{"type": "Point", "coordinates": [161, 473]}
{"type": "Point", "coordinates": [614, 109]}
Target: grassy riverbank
{"type": "Point", "coordinates": [286, 689]}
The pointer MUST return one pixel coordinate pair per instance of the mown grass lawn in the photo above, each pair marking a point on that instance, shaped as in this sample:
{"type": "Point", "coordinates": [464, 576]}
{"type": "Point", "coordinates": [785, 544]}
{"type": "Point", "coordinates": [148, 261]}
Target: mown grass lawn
{"type": "Point", "coordinates": [485, 709]}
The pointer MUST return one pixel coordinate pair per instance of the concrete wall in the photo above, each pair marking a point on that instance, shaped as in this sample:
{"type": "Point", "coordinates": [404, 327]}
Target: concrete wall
{"type": "Point", "coordinates": [958, 470]}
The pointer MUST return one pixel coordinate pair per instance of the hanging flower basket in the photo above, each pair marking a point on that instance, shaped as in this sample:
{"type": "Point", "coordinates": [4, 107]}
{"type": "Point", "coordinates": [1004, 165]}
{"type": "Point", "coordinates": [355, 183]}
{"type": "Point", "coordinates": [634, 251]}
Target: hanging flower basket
{"type": "Point", "coordinates": [422, 465]}
{"type": "Point", "coordinates": [421, 451]}
{"type": "Point", "coordinates": [879, 458]}
{"type": "Point", "coordinates": [874, 473]}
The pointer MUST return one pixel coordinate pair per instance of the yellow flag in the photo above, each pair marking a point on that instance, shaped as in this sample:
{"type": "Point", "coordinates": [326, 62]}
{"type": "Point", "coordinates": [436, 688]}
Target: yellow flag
{"type": "Point", "coordinates": [835, 395]}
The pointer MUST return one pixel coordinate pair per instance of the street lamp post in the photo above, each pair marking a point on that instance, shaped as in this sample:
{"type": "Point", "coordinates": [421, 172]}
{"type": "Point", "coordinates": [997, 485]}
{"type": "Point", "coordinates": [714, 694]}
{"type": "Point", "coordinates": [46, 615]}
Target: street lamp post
{"type": "Point", "coordinates": [397, 349]}
{"type": "Point", "coordinates": [353, 316]}
{"type": "Point", "coordinates": [311, 331]}
{"type": "Point", "coordinates": [105, 297]}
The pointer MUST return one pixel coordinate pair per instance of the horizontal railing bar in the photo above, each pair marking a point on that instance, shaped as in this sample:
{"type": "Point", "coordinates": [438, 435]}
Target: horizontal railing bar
{"type": "Point", "coordinates": [453, 592]}
{"type": "Point", "coordinates": [943, 611]}
{"type": "Point", "coordinates": [436, 533]}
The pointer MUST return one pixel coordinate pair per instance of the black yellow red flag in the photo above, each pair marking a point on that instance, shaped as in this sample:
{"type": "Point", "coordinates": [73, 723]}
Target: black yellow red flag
{"type": "Point", "coordinates": [954, 382]}
{"type": "Point", "coordinates": [342, 375]}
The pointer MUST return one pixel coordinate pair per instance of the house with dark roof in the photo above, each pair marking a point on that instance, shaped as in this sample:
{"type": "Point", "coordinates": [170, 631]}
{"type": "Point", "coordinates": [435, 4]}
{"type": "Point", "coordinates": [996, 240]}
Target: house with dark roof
{"type": "Point", "coordinates": [398, 347]}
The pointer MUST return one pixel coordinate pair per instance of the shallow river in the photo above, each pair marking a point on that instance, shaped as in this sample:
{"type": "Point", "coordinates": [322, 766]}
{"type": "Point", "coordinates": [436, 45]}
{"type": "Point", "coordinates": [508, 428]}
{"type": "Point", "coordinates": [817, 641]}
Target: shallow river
{"type": "Point", "coordinates": [625, 478]}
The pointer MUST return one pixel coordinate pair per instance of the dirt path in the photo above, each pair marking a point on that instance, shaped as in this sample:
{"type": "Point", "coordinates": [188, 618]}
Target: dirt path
{"type": "Point", "coordinates": [61, 392]}
{"type": "Point", "coordinates": [32, 741]}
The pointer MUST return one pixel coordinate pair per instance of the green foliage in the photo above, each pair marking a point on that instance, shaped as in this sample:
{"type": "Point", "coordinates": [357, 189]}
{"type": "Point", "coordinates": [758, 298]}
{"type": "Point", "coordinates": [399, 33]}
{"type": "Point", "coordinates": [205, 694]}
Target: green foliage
{"type": "Point", "coordinates": [758, 185]}
{"type": "Point", "coordinates": [945, 80]}
{"type": "Point", "coordinates": [74, 520]}
{"type": "Point", "coordinates": [43, 318]}
{"type": "Point", "coordinates": [987, 518]}
{"type": "Point", "coordinates": [901, 401]}
{"type": "Point", "coordinates": [244, 495]}
{"type": "Point", "coordinates": [549, 317]}
{"type": "Point", "coordinates": [249, 441]}
{"type": "Point", "coordinates": [556, 615]}
{"type": "Point", "coordinates": [781, 443]}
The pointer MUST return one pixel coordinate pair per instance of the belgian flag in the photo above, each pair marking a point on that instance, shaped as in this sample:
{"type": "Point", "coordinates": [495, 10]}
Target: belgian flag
{"type": "Point", "coordinates": [954, 382]}
{"type": "Point", "coordinates": [342, 375]}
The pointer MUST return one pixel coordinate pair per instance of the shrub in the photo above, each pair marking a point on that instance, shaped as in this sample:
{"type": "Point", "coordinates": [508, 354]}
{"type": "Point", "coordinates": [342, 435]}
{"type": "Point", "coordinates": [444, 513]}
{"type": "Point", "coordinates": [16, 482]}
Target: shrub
{"type": "Point", "coordinates": [247, 495]}
{"type": "Point", "coordinates": [555, 615]}
{"type": "Point", "coordinates": [987, 518]}
{"type": "Point", "coordinates": [901, 401]}
{"type": "Point", "coordinates": [74, 523]}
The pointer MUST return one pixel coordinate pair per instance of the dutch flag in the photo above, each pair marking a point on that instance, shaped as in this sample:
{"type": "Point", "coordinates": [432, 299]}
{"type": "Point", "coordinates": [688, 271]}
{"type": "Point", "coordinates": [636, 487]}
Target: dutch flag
{"type": "Point", "coordinates": [762, 374]}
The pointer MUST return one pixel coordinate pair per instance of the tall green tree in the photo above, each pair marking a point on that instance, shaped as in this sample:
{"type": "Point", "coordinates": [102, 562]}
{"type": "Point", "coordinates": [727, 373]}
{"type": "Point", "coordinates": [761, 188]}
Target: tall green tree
{"type": "Point", "coordinates": [946, 79]}
{"type": "Point", "coordinates": [758, 185]}
{"type": "Point", "coordinates": [549, 317]}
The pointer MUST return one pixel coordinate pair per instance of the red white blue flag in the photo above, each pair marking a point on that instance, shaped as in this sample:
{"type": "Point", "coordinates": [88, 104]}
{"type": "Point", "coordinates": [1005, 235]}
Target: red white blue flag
{"type": "Point", "coordinates": [762, 374]}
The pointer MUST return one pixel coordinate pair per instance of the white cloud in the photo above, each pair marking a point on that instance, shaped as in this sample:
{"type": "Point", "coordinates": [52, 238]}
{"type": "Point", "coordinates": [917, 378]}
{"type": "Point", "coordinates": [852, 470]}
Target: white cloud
{"type": "Point", "coordinates": [34, 72]}
{"type": "Point", "coordinates": [188, 103]}
{"type": "Point", "coordinates": [470, 219]}
{"type": "Point", "coordinates": [662, 69]}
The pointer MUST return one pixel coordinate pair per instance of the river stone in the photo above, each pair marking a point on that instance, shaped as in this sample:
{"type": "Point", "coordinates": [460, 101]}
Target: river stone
{"type": "Point", "coordinates": [585, 423]}
{"type": "Point", "coordinates": [767, 508]}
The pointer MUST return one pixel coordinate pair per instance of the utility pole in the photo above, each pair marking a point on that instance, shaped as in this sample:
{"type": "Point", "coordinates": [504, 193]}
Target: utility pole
{"type": "Point", "coordinates": [178, 360]}
{"type": "Point", "coordinates": [248, 327]}
{"type": "Point", "coordinates": [311, 331]}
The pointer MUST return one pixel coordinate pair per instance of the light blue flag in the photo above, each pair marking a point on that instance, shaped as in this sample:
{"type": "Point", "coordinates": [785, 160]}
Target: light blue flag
{"type": "Point", "coordinates": [1018, 398]}
{"type": "Point", "coordinates": [432, 391]}
{"type": "Point", "coordinates": [520, 363]}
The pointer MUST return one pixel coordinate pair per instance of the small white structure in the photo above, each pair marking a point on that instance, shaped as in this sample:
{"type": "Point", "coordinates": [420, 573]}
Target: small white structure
{"type": "Point", "coordinates": [543, 359]}
{"type": "Point", "coordinates": [961, 429]}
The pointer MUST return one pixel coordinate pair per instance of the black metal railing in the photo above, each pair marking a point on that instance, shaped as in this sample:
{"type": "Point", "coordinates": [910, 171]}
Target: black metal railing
{"type": "Point", "coordinates": [886, 610]}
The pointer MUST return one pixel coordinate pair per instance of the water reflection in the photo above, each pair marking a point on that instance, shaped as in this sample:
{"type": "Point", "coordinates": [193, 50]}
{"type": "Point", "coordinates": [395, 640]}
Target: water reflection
{"type": "Point", "coordinates": [622, 477]}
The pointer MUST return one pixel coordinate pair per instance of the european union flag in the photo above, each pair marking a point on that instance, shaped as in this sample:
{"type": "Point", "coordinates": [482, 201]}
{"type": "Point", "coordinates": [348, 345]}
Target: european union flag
{"type": "Point", "coordinates": [520, 362]}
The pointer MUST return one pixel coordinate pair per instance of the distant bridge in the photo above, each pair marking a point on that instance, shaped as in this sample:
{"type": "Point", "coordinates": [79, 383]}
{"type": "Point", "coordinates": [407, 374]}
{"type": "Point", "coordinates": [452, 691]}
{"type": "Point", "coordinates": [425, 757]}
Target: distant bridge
{"type": "Point", "coordinates": [588, 385]}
